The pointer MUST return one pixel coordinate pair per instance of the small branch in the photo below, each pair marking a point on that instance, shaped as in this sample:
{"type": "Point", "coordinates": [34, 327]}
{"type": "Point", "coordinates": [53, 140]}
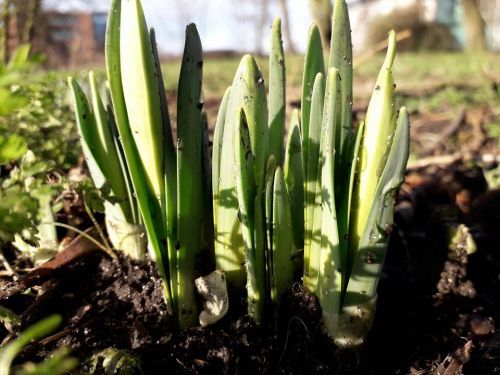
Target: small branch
{"type": "Point", "coordinates": [8, 269]}
{"type": "Point", "coordinates": [447, 132]}
{"type": "Point", "coordinates": [83, 234]}
{"type": "Point", "coordinates": [446, 160]}
{"type": "Point", "coordinates": [80, 246]}
{"type": "Point", "coordinates": [360, 59]}
{"type": "Point", "coordinates": [109, 249]}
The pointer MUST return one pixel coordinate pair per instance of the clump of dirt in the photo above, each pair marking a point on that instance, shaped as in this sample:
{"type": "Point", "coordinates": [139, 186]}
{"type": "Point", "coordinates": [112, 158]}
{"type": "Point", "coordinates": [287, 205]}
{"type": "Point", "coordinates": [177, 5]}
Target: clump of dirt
{"type": "Point", "coordinates": [119, 303]}
{"type": "Point", "coordinates": [454, 276]}
{"type": "Point", "coordinates": [104, 303]}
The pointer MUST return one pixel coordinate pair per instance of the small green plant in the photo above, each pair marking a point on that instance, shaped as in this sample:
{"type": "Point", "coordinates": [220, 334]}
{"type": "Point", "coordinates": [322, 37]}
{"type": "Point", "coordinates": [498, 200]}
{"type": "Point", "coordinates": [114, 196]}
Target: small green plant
{"type": "Point", "coordinates": [326, 200]}
{"type": "Point", "coordinates": [252, 216]}
{"type": "Point", "coordinates": [24, 197]}
{"type": "Point", "coordinates": [27, 204]}
{"type": "Point", "coordinates": [59, 362]}
{"type": "Point", "coordinates": [334, 195]}
{"type": "Point", "coordinates": [12, 146]}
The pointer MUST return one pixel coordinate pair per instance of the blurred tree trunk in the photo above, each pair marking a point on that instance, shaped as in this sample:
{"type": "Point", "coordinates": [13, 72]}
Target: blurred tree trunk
{"type": "Point", "coordinates": [475, 38]}
{"type": "Point", "coordinates": [321, 11]}
{"type": "Point", "coordinates": [4, 30]}
{"type": "Point", "coordinates": [17, 19]}
{"type": "Point", "coordinates": [286, 26]}
{"type": "Point", "coordinates": [31, 10]}
{"type": "Point", "coordinates": [261, 26]}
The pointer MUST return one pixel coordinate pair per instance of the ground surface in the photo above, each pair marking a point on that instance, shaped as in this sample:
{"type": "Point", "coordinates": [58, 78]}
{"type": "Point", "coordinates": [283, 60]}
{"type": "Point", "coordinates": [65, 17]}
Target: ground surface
{"type": "Point", "coordinates": [438, 311]}
{"type": "Point", "coordinates": [432, 303]}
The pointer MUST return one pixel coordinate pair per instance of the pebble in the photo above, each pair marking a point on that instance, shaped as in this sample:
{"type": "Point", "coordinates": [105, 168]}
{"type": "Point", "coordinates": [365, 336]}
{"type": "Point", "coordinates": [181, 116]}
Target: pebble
{"type": "Point", "coordinates": [481, 326]}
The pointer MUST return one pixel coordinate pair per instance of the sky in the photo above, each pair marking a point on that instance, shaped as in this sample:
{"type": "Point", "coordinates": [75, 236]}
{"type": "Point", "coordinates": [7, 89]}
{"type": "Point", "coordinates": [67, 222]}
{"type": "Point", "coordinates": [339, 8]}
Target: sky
{"type": "Point", "coordinates": [222, 24]}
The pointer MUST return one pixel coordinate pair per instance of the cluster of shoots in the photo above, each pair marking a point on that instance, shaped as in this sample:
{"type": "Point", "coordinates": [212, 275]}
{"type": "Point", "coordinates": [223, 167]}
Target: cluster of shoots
{"type": "Point", "coordinates": [149, 182]}
{"type": "Point", "coordinates": [351, 176]}
{"type": "Point", "coordinates": [318, 207]}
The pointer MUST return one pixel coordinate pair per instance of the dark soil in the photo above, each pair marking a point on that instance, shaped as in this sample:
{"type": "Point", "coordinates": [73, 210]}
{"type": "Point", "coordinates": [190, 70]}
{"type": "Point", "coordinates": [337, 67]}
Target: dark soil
{"type": "Point", "coordinates": [438, 312]}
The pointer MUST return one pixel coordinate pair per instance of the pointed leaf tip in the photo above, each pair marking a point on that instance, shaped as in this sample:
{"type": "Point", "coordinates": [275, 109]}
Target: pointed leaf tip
{"type": "Point", "coordinates": [391, 50]}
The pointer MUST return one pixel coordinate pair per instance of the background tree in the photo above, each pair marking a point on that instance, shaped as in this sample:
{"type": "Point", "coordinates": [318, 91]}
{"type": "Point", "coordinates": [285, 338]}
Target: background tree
{"type": "Point", "coordinates": [17, 24]}
{"type": "Point", "coordinates": [256, 15]}
{"type": "Point", "coordinates": [321, 11]}
{"type": "Point", "coordinates": [287, 34]}
{"type": "Point", "coordinates": [4, 30]}
{"type": "Point", "coordinates": [261, 25]}
{"type": "Point", "coordinates": [475, 38]}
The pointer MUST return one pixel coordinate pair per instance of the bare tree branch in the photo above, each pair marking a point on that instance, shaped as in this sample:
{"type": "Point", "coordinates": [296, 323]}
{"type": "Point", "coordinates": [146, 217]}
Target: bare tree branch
{"type": "Point", "coordinates": [286, 26]}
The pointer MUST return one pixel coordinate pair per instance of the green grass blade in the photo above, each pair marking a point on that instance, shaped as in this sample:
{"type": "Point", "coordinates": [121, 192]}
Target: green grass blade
{"type": "Point", "coordinates": [268, 202]}
{"type": "Point", "coordinates": [247, 92]}
{"type": "Point", "coordinates": [118, 215]}
{"type": "Point", "coordinates": [252, 224]}
{"type": "Point", "coordinates": [9, 352]}
{"type": "Point", "coordinates": [140, 90]}
{"type": "Point", "coordinates": [245, 179]}
{"type": "Point", "coordinates": [107, 152]}
{"type": "Point", "coordinates": [131, 196]}
{"type": "Point", "coordinates": [379, 126]}
{"type": "Point", "coordinates": [362, 287]}
{"type": "Point", "coordinates": [314, 64]}
{"type": "Point", "coordinates": [189, 171]}
{"type": "Point", "coordinates": [277, 93]}
{"type": "Point", "coordinates": [216, 162]}
{"type": "Point", "coordinates": [148, 203]}
{"type": "Point", "coordinates": [344, 211]}
{"type": "Point", "coordinates": [330, 263]}
{"type": "Point", "coordinates": [168, 140]}
{"type": "Point", "coordinates": [294, 177]}
{"type": "Point", "coordinates": [85, 121]}
{"type": "Point", "coordinates": [341, 58]}
{"type": "Point", "coordinates": [282, 241]}
{"type": "Point", "coordinates": [170, 177]}
{"type": "Point", "coordinates": [268, 213]}
{"type": "Point", "coordinates": [170, 172]}
{"type": "Point", "coordinates": [257, 292]}
{"type": "Point", "coordinates": [254, 102]}
{"type": "Point", "coordinates": [312, 225]}
{"type": "Point", "coordinates": [207, 237]}
{"type": "Point", "coordinates": [216, 152]}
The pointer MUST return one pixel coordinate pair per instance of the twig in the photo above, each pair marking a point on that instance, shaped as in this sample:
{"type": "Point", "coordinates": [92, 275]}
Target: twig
{"type": "Point", "coordinates": [10, 271]}
{"type": "Point", "coordinates": [400, 35]}
{"type": "Point", "coordinates": [446, 133]}
{"type": "Point", "coordinates": [429, 118]}
{"type": "Point", "coordinates": [98, 227]}
{"type": "Point", "coordinates": [288, 334]}
{"type": "Point", "coordinates": [83, 234]}
{"type": "Point", "coordinates": [17, 272]}
{"type": "Point", "coordinates": [454, 363]}
{"type": "Point", "coordinates": [445, 160]}
{"type": "Point", "coordinates": [479, 135]}
{"type": "Point", "coordinates": [80, 246]}
{"type": "Point", "coordinates": [59, 335]}
{"type": "Point", "coordinates": [55, 337]}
